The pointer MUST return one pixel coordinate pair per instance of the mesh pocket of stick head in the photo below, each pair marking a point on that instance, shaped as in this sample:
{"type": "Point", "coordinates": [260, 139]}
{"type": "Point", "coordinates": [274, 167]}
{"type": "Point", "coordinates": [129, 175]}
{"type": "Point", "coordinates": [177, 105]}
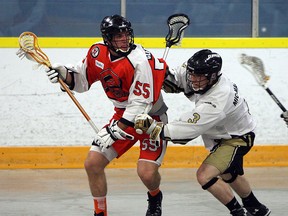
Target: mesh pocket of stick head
{"type": "Point", "coordinates": [177, 24]}
{"type": "Point", "coordinates": [30, 49]}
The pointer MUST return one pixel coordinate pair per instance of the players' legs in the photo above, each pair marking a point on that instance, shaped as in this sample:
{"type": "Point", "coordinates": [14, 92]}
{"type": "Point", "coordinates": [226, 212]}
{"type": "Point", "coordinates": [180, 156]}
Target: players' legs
{"type": "Point", "coordinates": [149, 174]}
{"type": "Point", "coordinates": [226, 159]}
{"type": "Point", "coordinates": [150, 159]}
{"type": "Point", "coordinates": [221, 162]}
{"type": "Point", "coordinates": [151, 156]}
{"type": "Point", "coordinates": [241, 186]}
{"type": "Point", "coordinates": [207, 176]}
{"type": "Point", "coordinates": [95, 164]}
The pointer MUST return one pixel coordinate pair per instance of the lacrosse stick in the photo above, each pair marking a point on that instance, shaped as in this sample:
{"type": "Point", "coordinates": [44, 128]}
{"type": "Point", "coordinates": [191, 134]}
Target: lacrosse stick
{"type": "Point", "coordinates": [177, 23]}
{"type": "Point", "coordinates": [256, 67]}
{"type": "Point", "coordinates": [30, 49]}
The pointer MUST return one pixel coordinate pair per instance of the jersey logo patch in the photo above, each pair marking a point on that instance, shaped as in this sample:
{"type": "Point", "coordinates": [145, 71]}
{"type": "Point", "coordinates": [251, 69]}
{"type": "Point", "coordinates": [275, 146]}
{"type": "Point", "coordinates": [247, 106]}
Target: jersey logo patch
{"type": "Point", "coordinates": [213, 105]}
{"type": "Point", "coordinates": [95, 52]}
{"type": "Point", "coordinates": [112, 85]}
{"type": "Point", "coordinates": [99, 64]}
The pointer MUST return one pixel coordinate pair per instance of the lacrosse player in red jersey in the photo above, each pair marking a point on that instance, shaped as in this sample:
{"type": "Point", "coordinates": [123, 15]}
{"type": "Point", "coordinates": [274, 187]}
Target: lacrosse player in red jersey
{"type": "Point", "coordinates": [132, 79]}
{"type": "Point", "coordinates": [221, 116]}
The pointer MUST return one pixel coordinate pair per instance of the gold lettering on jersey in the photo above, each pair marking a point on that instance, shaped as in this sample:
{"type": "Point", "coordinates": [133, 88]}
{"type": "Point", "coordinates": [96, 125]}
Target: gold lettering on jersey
{"type": "Point", "coordinates": [195, 119]}
{"type": "Point", "coordinates": [99, 64]}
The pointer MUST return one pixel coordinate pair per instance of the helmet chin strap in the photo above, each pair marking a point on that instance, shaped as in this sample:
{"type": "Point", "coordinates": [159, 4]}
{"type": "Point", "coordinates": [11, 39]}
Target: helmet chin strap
{"type": "Point", "coordinates": [198, 88]}
{"type": "Point", "coordinates": [116, 52]}
{"type": "Point", "coordinates": [200, 85]}
{"type": "Point", "coordinates": [122, 51]}
{"type": "Point", "coordinates": [119, 51]}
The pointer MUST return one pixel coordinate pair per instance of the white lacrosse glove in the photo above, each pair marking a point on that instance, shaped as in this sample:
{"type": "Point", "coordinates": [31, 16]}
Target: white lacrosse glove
{"type": "Point", "coordinates": [57, 70]}
{"type": "Point", "coordinates": [144, 123]}
{"type": "Point", "coordinates": [284, 115]}
{"type": "Point", "coordinates": [108, 135]}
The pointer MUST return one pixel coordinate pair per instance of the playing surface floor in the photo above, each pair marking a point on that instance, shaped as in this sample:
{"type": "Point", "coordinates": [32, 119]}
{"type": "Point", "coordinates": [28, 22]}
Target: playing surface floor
{"type": "Point", "coordinates": [65, 192]}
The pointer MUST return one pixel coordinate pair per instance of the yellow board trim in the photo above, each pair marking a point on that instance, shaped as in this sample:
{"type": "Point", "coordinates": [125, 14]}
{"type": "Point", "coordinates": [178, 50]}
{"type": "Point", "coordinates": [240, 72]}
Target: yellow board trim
{"type": "Point", "coordinates": [176, 157]}
{"type": "Point", "coordinates": [70, 42]}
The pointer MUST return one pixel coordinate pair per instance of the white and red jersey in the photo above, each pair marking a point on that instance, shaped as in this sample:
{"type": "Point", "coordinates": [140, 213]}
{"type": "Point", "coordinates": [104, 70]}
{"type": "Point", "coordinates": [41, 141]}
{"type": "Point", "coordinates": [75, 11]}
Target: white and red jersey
{"type": "Point", "coordinates": [133, 82]}
{"type": "Point", "coordinates": [220, 113]}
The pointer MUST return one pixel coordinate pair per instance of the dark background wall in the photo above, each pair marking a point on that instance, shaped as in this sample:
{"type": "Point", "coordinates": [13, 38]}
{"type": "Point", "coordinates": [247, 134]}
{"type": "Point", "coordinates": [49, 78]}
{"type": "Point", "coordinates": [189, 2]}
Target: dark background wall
{"type": "Point", "coordinates": [81, 18]}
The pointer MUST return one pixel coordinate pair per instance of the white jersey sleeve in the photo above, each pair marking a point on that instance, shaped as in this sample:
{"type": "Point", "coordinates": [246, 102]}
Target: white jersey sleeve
{"type": "Point", "coordinates": [80, 79]}
{"type": "Point", "coordinates": [220, 113]}
{"type": "Point", "coordinates": [145, 90]}
{"type": "Point", "coordinates": [142, 74]}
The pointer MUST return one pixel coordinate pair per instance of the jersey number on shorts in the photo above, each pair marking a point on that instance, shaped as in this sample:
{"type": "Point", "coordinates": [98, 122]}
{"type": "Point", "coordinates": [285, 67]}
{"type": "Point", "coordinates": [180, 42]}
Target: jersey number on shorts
{"type": "Point", "coordinates": [152, 145]}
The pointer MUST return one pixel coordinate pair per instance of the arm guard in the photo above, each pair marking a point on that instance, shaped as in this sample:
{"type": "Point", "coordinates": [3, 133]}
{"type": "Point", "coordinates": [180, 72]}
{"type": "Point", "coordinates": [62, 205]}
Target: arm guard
{"type": "Point", "coordinates": [170, 83]}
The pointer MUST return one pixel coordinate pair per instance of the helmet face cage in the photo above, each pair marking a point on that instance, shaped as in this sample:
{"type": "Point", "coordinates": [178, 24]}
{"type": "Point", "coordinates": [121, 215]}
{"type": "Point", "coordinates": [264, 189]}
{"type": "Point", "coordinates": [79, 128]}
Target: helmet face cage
{"type": "Point", "coordinates": [112, 25]}
{"type": "Point", "coordinates": [207, 65]}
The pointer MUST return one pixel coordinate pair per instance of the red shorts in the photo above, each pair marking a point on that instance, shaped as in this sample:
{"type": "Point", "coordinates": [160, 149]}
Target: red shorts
{"type": "Point", "coordinates": [149, 149]}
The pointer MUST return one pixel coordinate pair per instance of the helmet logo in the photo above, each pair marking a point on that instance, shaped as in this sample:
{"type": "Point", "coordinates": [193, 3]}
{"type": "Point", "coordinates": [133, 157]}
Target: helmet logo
{"type": "Point", "coordinates": [212, 56]}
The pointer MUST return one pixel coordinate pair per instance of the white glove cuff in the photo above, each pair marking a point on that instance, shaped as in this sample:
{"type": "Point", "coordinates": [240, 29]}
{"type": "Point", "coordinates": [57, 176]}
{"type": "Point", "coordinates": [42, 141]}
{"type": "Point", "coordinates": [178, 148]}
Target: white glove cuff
{"type": "Point", "coordinates": [155, 135]}
{"type": "Point", "coordinates": [152, 126]}
{"type": "Point", "coordinates": [118, 133]}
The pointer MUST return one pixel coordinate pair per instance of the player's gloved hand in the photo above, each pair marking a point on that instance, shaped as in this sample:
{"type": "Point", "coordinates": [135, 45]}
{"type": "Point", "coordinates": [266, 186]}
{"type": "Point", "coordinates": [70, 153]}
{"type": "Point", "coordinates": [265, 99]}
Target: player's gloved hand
{"type": "Point", "coordinates": [108, 135]}
{"type": "Point", "coordinates": [144, 123]}
{"type": "Point", "coordinates": [284, 115]}
{"type": "Point", "coordinates": [57, 70]}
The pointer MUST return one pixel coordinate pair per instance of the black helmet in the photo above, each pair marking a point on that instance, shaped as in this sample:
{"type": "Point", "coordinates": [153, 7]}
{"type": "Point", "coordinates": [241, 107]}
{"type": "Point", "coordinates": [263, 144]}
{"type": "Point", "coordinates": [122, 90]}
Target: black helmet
{"type": "Point", "coordinates": [204, 62]}
{"type": "Point", "coordinates": [112, 25]}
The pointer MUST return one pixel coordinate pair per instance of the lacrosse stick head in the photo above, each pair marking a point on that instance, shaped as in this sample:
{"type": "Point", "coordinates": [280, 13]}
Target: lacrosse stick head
{"type": "Point", "coordinates": [256, 67]}
{"type": "Point", "coordinates": [177, 23]}
{"type": "Point", "coordinates": [30, 49]}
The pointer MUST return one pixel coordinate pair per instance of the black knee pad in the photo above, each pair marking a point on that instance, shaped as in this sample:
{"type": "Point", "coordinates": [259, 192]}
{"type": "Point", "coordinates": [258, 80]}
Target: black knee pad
{"type": "Point", "coordinates": [232, 179]}
{"type": "Point", "coordinates": [210, 183]}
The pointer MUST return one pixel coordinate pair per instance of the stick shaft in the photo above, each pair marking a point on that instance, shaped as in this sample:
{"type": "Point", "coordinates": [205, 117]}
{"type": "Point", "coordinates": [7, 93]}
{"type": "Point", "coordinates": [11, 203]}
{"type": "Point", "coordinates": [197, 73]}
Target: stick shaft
{"type": "Point", "coordinates": [28, 42]}
{"type": "Point", "coordinates": [166, 52]}
{"type": "Point", "coordinates": [275, 99]}
{"type": "Point", "coordinates": [257, 70]}
{"type": "Point", "coordinates": [78, 105]}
